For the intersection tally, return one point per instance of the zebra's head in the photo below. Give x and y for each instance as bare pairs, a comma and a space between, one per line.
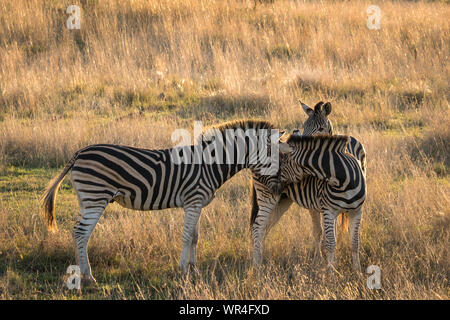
317, 122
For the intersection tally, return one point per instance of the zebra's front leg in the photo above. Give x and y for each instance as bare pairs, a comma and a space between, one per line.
329, 220
258, 229
317, 234
191, 216
193, 250
353, 229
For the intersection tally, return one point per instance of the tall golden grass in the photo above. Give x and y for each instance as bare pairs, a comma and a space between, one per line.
137, 70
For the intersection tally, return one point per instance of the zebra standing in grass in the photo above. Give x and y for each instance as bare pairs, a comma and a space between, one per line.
143, 179
269, 207
336, 183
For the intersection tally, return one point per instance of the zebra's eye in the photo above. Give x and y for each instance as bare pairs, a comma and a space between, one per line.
320, 129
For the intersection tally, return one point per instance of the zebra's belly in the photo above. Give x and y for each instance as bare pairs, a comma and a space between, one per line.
304, 197
128, 202
342, 201
342, 206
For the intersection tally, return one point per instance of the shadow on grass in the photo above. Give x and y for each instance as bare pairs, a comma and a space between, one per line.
41, 274
432, 148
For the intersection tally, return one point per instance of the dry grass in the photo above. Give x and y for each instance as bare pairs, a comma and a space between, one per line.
137, 70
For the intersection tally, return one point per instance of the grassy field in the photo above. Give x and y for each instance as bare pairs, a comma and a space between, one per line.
137, 70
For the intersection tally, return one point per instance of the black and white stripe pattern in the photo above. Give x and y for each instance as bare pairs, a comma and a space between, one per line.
267, 210
317, 122
143, 179
336, 183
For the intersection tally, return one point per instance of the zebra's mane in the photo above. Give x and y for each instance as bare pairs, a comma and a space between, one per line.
207, 132
340, 142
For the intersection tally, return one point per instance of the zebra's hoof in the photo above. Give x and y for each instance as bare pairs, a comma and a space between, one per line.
184, 268
257, 260
194, 270
357, 269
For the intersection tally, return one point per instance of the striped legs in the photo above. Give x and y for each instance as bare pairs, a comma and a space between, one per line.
266, 207
329, 221
353, 229
82, 231
317, 234
193, 250
189, 236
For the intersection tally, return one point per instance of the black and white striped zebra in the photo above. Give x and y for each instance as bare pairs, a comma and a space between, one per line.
270, 207
335, 183
318, 123
144, 179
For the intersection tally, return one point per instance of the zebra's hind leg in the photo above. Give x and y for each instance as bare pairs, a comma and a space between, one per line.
317, 234
329, 221
259, 226
353, 229
82, 231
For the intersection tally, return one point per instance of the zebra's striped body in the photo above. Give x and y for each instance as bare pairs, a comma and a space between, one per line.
137, 179
336, 183
267, 208
143, 179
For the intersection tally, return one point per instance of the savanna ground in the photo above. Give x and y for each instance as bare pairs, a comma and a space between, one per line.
137, 70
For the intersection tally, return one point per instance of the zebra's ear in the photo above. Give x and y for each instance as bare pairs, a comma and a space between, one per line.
307, 109
318, 107
285, 148
326, 109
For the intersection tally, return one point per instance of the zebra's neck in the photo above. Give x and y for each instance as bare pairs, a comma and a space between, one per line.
243, 157
221, 164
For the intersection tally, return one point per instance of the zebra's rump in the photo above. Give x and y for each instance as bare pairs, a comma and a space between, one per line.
357, 149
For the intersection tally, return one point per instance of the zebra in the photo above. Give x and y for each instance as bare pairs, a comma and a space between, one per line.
266, 205
318, 123
335, 183
144, 179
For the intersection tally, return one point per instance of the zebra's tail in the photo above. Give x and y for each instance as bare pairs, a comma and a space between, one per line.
343, 222
363, 163
255, 207
49, 196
